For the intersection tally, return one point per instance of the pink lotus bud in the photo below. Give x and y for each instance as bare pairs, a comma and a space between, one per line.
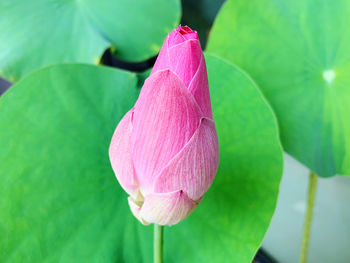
164, 151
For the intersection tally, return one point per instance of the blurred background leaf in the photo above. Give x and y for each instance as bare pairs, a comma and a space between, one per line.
39, 32
298, 52
330, 232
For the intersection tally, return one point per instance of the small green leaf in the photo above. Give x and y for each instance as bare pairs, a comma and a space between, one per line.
298, 52
39, 32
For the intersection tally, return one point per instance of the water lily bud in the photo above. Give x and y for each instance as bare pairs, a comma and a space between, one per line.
164, 151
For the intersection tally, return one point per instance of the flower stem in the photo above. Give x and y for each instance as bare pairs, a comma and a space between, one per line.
308, 217
158, 244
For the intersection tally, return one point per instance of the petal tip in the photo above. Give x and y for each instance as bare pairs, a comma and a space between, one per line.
135, 208
167, 208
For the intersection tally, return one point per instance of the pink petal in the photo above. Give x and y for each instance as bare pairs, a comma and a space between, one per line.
193, 169
175, 38
166, 208
192, 35
184, 59
182, 53
200, 89
162, 61
165, 118
120, 155
188, 33
181, 34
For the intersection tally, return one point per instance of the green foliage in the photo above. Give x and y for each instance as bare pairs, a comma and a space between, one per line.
40, 32
60, 201
298, 52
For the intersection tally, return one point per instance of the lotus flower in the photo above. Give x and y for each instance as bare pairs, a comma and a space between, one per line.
164, 151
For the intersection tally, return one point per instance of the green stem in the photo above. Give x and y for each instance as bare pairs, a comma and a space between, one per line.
158, 244
308, 217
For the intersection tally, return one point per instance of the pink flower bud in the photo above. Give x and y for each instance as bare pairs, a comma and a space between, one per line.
164, 151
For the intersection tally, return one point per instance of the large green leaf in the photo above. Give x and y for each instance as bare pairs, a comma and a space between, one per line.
59, 199
298, 52
234, 215
40, 32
